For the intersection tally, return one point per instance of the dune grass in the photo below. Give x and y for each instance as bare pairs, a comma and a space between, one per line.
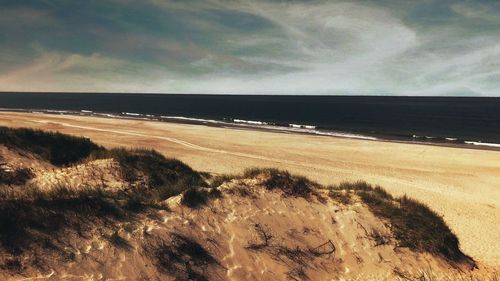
194, 198
28, 215
220, 179
15, 177
198, 197
159, 177
31, 217
182, 257
291, 185
56, 148
413, 223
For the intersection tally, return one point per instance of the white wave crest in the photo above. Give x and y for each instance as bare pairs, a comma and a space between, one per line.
250, 122
302, 126
483, 143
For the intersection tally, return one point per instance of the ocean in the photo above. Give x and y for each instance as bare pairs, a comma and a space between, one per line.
454, 120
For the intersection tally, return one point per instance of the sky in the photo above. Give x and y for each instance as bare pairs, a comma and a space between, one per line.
378, 47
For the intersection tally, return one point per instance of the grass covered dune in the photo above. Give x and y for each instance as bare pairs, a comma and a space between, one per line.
462, 185
34, 221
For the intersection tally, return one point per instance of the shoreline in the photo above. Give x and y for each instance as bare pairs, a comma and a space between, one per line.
260, 126
462, 185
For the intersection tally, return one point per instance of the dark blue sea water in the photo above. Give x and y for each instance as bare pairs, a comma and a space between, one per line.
436, 119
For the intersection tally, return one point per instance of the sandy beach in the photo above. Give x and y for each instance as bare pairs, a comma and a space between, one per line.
462, 185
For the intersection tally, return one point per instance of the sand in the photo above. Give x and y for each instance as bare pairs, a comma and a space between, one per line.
463, 185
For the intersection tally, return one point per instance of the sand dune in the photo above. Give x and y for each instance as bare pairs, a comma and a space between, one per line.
246, 232
461, 184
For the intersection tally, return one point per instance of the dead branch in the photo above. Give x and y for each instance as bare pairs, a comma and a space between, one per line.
327, 249
265, 236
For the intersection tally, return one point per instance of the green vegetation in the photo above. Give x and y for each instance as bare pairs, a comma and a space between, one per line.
56, 148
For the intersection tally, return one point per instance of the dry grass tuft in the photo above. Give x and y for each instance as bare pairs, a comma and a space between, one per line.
413, 224
182, 257
296, 186
58, 149
15, 177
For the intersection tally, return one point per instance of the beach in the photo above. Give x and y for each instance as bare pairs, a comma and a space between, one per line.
462, 185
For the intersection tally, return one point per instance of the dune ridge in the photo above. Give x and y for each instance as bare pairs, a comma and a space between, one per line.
462, 185
153, 217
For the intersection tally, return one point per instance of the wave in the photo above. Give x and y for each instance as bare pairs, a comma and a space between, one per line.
309, 129
250, 122
424, 137
455, 140
107, 115
302, 126
450, 139
131, 114
312, 130
489, 144
292, 127
57, 111
345, 135
182, 118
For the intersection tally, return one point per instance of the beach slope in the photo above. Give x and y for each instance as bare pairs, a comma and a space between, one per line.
462, 185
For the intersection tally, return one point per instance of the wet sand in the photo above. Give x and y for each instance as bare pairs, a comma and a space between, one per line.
463, 185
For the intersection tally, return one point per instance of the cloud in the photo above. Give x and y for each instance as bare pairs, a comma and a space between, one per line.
479, 11
50, 70
25, 16
254, 47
